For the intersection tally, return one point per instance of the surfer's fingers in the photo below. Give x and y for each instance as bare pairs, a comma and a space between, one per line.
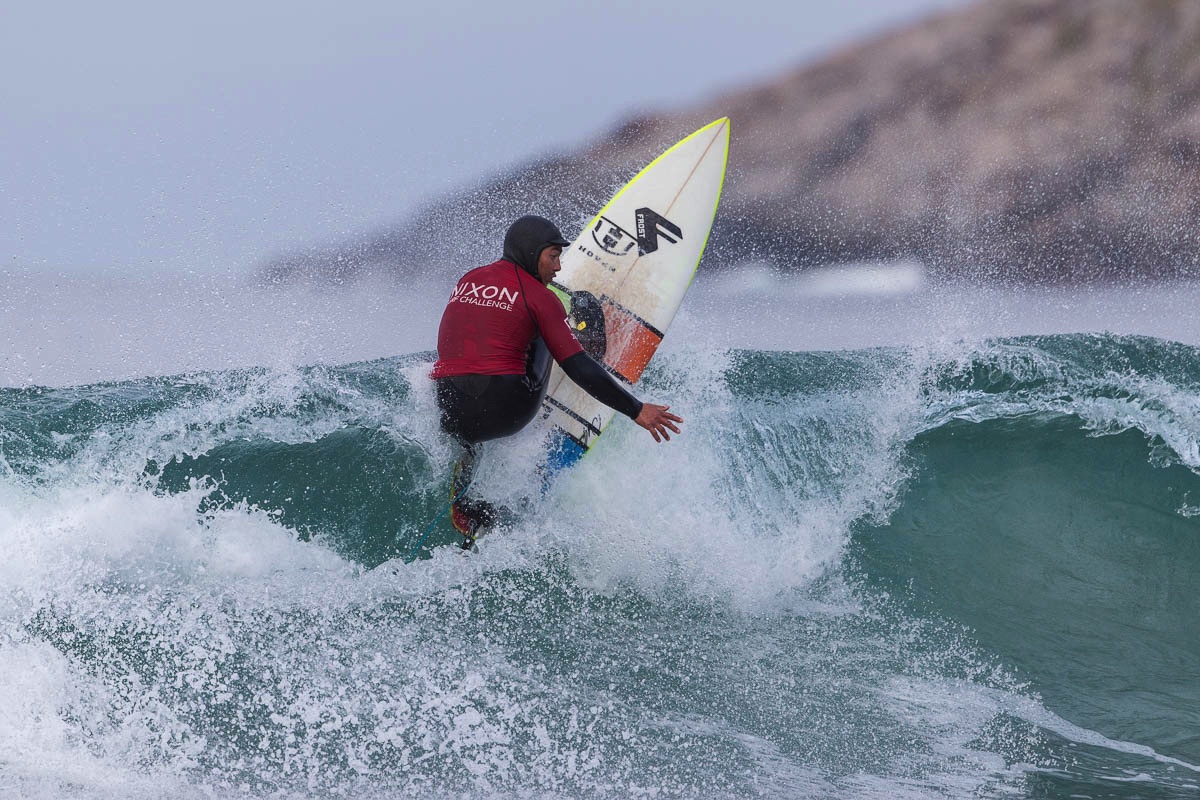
667, 421
664, 414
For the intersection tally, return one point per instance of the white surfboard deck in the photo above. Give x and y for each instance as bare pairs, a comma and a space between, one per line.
637, 258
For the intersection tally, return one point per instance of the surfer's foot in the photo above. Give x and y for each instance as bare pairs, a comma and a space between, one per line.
471, 518
465, 524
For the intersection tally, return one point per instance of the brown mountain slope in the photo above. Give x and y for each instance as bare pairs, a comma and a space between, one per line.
1014, 139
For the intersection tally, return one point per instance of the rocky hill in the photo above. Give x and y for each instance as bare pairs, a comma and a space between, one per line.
1013, 139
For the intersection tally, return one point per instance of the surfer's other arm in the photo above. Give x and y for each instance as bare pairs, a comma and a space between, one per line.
595, 380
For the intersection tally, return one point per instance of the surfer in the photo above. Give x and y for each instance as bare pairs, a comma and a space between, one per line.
498, 333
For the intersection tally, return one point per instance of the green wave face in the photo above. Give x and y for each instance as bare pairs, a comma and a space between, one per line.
883, 573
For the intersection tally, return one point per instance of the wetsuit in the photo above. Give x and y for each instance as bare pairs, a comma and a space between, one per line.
498, 333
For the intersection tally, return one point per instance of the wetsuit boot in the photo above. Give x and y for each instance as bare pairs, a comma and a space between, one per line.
469, 516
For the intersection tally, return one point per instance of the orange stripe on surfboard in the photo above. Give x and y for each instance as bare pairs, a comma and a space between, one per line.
631, 340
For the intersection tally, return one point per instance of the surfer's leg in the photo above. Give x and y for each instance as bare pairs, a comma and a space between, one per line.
468, 515
464, 472
479, 408
458, 402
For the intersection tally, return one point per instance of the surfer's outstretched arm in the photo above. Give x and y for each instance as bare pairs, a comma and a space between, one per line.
595, 380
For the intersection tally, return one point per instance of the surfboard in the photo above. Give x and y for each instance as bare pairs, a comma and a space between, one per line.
625, 275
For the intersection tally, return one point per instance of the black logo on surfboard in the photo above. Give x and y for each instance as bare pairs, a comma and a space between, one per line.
650, 226
612, 238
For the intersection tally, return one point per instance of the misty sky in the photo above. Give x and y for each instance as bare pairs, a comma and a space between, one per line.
153, 136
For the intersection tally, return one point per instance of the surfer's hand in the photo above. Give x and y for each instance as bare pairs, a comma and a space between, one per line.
657, 419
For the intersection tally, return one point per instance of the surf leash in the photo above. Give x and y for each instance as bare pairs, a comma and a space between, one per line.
428, 530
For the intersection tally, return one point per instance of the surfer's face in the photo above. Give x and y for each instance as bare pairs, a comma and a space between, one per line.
549, 264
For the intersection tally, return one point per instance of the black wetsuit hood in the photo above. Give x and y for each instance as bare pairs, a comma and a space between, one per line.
527, 238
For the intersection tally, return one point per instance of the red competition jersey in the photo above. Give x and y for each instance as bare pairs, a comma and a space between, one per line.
489, 322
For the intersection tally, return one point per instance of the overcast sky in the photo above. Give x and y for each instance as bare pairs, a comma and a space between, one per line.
209, 136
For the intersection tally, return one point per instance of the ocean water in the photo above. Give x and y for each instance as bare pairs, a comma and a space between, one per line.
931, 543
